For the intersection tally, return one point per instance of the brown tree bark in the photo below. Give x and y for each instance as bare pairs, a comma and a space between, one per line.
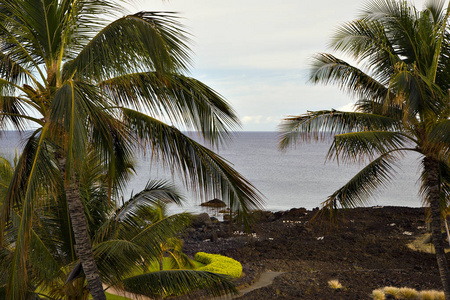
83, 243
433, 184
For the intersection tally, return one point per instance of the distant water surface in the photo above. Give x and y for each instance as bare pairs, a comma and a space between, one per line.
298, 177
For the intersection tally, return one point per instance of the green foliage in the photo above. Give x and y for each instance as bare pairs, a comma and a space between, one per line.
400, 74
178, 282
400, 78
220, 264
167, 265
80, 74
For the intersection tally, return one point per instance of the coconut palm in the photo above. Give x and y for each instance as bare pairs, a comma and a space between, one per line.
77, 78
127, 241
401, 77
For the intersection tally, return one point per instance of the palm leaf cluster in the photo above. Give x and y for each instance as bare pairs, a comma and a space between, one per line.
400, 76
127, 241
403, 105
87, 78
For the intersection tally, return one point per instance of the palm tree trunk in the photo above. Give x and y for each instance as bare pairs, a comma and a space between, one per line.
433, 184
83, 243
83, 247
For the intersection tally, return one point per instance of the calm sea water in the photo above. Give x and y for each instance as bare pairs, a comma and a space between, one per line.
296, 178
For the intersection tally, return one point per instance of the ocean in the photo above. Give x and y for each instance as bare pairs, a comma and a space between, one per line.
298, 177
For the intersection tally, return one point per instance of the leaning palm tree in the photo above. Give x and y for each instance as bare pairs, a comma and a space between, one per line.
78, 79
402, 79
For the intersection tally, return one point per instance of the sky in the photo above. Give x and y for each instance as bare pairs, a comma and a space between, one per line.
256, 53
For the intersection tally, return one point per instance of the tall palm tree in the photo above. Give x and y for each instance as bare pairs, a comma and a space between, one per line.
402, 79
76, 78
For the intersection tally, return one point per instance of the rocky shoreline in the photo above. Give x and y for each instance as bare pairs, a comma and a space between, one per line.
364, 249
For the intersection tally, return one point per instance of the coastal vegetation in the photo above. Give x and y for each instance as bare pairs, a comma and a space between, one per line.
401, 78
129, 241
220, 264
406, 293
86, 79
335, 284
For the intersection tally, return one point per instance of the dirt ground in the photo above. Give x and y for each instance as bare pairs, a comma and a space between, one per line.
364, 250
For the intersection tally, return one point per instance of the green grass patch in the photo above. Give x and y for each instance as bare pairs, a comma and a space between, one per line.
217, 263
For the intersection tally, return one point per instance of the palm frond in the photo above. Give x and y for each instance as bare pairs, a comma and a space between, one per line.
323, 124
444, 176
68, 117
155, 40
362, 38
439, 134
19, 38
11, 70
178, 260
359, 190
184, 100
35, 163
359, 146
179, 282
43, 264
81, 20
420, 95
133, 243
368, 106
155, 191
14, 113
202, 169
118, 259
136, 213
436, 9
444, 170
6, 173
327, 69
86, 119
157, 233
399, 21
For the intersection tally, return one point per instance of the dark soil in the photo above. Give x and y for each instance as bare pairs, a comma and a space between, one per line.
365, 249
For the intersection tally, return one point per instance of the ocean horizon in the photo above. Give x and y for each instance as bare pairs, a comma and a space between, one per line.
298, 177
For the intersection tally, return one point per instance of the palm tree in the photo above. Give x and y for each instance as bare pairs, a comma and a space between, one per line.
127, 239
402, 79
78, 79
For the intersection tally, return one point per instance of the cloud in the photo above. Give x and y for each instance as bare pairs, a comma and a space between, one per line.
348, 107
256, 53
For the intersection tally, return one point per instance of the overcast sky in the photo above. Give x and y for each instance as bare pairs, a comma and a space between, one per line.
256, 53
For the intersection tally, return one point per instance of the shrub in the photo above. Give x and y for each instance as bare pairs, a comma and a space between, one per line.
431, 295
393, 291
335, 284
217, 263
378, 295
408, 293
